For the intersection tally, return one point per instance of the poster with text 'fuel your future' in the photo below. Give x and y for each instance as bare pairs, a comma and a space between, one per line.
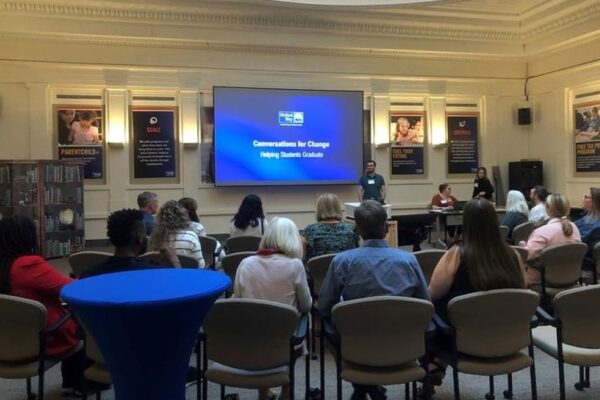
154, 145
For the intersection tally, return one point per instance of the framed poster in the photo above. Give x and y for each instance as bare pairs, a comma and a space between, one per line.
154, 143
80, 136
586, 134
463, 143
407, 137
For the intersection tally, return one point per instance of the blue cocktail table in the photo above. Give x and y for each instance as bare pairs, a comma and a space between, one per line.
145, 324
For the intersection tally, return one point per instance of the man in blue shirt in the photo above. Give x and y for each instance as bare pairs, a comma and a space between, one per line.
371, 186
148, 204
374, 269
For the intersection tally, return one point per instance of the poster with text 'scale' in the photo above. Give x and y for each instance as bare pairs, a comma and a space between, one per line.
407, 143
586, 135
154, 143
463, 148
79, 136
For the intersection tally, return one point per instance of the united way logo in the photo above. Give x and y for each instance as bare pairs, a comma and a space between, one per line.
291, 118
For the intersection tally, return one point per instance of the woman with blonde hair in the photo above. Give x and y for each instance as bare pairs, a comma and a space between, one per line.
517, 211
557, 230
329, 234
172, 229
275, 273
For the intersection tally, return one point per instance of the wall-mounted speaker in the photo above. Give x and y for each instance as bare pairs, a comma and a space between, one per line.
524, 116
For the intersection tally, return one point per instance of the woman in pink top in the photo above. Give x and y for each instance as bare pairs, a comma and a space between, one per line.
557, 230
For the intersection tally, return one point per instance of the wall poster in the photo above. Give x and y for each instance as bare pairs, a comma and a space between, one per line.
463, 143
80, 136
407, 137
587, 137
154, 142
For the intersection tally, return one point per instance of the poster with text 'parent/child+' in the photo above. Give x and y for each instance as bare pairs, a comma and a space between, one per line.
463, 143
407, 137
586, 134
154, 142
79, 134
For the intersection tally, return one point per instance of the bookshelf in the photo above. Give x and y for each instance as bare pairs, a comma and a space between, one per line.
51, 193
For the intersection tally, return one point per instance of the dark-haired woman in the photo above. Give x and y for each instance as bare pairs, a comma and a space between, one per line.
589, 226
538, 195
24, 273
482, 187
250, 218
481, 261
191, 207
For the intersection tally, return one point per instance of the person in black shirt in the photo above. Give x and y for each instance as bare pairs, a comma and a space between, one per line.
482, 187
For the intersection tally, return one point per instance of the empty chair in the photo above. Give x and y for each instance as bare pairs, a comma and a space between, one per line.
560, 267
504, 231
381, 339
159, 259
236, 244
572, 336
317, 269
522, 232
209, 247
23, 339
79, 262
251, 344
231, 262
489, 330
428, 259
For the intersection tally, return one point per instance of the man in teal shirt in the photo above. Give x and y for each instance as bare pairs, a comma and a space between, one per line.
371, 185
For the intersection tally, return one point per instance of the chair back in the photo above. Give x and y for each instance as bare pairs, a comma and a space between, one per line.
237, 244
523, 253
576, 309
521, 232
81, 261
21, 321
317, 269
562, 263
428, 259
209, 246
596, 257
231, 262
382, 331
159, 259
494, 323
504, 231
250, 334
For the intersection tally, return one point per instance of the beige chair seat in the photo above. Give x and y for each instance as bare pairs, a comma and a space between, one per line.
552, 291
365, 375
248, 379
494, 366
544, 338
99, 373
26, 369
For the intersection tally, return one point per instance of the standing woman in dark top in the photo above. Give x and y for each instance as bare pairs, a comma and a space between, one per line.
482, 187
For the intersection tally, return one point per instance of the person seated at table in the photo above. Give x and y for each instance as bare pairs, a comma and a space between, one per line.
517, 211
329, 234
24, 273
589, 226
275, 273
250, 218
172, 229
126, 231
481, 261
557, 230
538, 195
444, 201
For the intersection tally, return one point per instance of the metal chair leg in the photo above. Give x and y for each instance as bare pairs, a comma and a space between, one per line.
322, 362
30, 394
222, 392
508, 393
338, 367
561, 379
456, 387
491, 395
532, 374
406, 391
313, 353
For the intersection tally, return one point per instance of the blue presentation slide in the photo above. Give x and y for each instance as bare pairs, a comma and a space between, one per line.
287, 137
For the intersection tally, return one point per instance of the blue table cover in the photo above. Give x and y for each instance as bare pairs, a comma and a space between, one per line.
145, 324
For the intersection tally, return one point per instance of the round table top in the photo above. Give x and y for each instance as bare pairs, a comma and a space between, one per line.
144, 287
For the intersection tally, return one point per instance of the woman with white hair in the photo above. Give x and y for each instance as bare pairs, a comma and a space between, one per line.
275, 273
517, 211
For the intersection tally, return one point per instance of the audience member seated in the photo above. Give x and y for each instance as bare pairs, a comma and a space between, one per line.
24, 273
275, 273
557, 230
148, 204
329, 234
191, 206
172, 230
517, 211
481, 261
374, 269
589, 226
446, 202
538, 214
250, 218
126, 231
482, 187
